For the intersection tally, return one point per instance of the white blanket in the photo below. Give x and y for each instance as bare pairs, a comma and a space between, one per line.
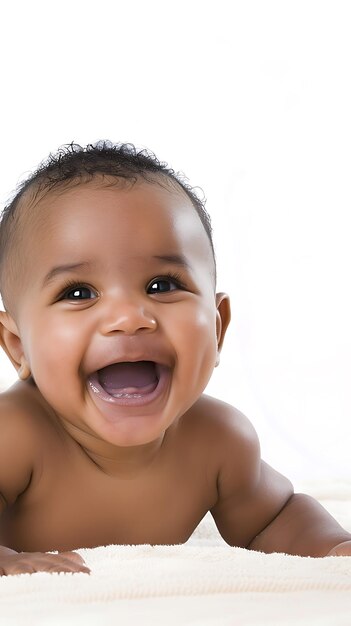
204, 582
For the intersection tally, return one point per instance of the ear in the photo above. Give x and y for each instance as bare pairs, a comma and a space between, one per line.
222, 320
11, 343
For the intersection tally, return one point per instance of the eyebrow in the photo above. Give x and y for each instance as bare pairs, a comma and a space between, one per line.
174, 259
64, 269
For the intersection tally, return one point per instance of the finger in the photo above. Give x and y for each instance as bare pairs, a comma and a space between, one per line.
73, 556
53, 563
67, 569
59, 563
19, 568
69, 565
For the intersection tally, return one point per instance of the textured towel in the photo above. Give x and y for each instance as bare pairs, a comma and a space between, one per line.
202, 582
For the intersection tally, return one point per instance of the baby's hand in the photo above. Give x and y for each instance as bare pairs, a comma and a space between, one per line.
342, 549
12, 562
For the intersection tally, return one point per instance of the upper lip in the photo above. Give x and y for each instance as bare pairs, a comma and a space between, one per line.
111, 355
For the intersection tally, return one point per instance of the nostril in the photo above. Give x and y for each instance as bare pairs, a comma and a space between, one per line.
132, 320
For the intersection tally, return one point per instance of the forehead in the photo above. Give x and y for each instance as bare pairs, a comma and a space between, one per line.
126, 218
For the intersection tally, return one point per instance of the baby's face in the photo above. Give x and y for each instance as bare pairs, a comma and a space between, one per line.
118, 319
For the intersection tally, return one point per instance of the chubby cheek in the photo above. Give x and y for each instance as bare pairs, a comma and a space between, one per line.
195, 342
54, 353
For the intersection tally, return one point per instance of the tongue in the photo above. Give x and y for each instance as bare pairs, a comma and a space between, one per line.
128, 377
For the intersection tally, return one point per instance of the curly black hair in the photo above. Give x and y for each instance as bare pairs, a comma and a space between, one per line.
73, 164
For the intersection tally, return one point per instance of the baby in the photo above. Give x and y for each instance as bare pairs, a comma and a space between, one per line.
113, 323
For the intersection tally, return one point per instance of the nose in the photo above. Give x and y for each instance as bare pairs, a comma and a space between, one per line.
129, 318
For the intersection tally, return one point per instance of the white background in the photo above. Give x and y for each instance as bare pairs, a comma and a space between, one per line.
252, 100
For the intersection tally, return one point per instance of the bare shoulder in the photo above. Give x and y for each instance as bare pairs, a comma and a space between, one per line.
20, 403
234, 441
250, 493
220, 414
226, 438
21, 438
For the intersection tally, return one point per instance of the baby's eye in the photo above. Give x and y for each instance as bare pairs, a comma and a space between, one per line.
162, 285
78, 293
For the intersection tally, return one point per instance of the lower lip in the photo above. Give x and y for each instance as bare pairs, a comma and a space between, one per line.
129, 399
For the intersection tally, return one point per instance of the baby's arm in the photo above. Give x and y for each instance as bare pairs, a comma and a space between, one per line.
303, 527
18, 446
256, 506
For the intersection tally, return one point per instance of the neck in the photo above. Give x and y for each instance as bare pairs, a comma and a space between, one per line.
117, 460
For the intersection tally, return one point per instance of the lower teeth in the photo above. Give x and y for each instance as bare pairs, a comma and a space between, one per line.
126, 395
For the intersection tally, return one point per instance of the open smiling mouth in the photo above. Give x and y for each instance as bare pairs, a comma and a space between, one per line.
129, 383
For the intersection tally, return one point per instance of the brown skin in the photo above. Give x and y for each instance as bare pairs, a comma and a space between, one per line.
77, 471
